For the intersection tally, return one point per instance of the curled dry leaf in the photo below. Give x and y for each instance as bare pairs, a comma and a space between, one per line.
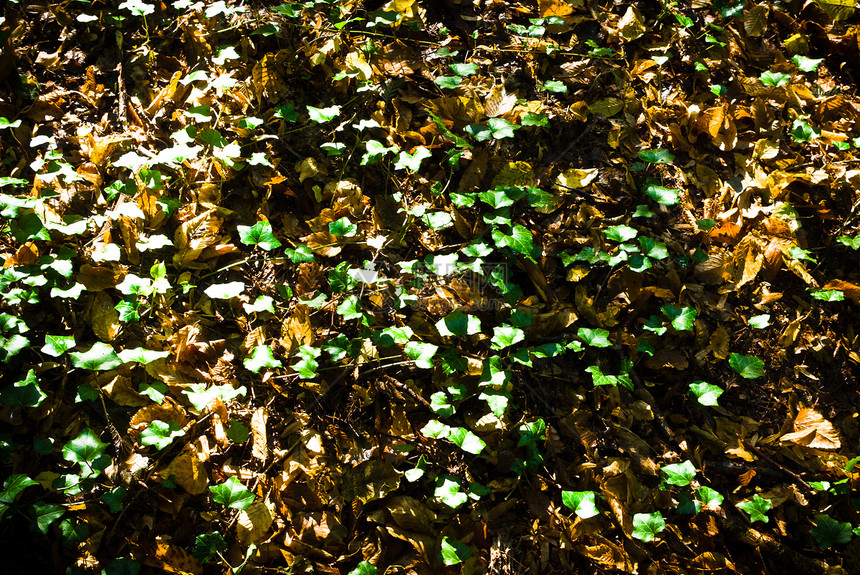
813, 431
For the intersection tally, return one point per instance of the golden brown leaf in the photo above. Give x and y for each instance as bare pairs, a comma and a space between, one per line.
812, 430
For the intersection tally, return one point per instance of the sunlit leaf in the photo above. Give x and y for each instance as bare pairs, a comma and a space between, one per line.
706, 393
364, 568
658, 156
775, 79
100, 357
260, 234
261, 356
25, 392
505, 336
454, 552
321, 115
680, 474
583, 503
709, 497
44, 514
620, 233
232, 494
806, 64
160, 434
421, 353
448, 490
458, 323
759, 321
225, 291
343, 228
594, 337
756, 508
201, 396
661, 195
466, 440
682, 319
747, 366
646, 526
803, 132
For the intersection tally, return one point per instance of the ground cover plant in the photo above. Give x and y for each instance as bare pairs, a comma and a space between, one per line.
423, 287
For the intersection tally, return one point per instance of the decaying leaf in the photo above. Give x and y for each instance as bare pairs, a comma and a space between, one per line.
813, 431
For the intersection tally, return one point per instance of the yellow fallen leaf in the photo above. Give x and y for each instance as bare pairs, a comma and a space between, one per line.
253, 523
575, 178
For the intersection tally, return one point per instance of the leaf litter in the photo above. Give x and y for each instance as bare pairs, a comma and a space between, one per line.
343, 287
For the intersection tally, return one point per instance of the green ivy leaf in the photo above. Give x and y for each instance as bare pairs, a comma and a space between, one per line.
448, 82
646, 526
412, 162
307, 365
232, 494
709, 497
261, 356
160, 434
44, 514
774, 79
448, 490
661, 195
457, 324
141, 355
620, 233
829, 532
653, 249
454, 552
435, 429
798, 253
343, 228
14, 485
421, 353
759, 321
853, 243
658, 156
539, 119
520, 241
225, 291
25, 392
364, 568
497, 401
302, 253
706, 393
464, 69
756, 508
583, 503
806, 64
350, 308
682, 319
261, 304
680, 474
466, 440
260, 234
594, 337
100, 357
207, 545
114, 498
687, 505
322, 115
828, 295
554, 86
747, 366
505, 336
85, 449
803, 132
201, 396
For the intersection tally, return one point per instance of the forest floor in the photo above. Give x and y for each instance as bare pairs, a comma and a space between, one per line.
549, 286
